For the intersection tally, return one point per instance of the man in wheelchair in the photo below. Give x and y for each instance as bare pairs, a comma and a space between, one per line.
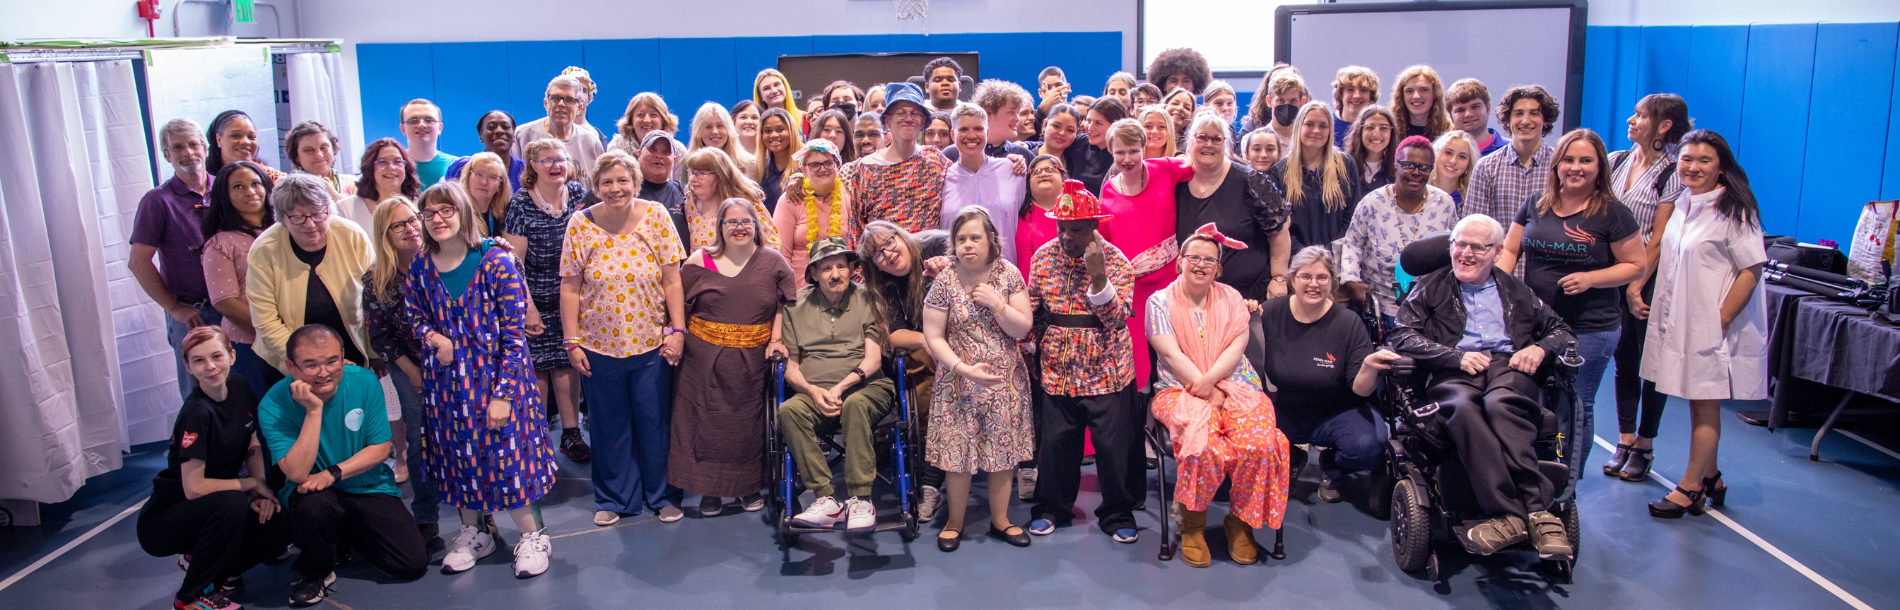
1481, 336
832, 333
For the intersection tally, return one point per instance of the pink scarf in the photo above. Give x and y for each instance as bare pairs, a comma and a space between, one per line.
1190, 422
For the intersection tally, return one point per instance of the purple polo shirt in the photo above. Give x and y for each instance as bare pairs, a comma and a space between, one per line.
168, 219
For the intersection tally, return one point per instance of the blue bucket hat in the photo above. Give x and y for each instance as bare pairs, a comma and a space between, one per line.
896, 93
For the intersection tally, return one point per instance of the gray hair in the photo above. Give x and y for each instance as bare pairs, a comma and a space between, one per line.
1487, 222
572, 82
968, 109
1314, 254
179, 128
1206, 118
298, 191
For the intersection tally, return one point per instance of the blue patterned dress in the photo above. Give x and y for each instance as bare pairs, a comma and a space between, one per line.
479, 469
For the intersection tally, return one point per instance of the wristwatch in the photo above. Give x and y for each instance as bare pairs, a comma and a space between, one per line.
336, 472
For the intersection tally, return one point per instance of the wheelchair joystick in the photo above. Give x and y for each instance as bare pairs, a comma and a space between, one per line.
1570, 358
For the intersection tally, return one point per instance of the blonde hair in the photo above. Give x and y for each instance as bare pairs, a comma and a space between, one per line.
668, 122
1332, 170
1127, 131
498, 204
709, 114
384, 272
1141, 118
725, 175
1219, 86
790, 106
1360, 77
1439, 120
464, 211
533, 150
1458, 135
613, 159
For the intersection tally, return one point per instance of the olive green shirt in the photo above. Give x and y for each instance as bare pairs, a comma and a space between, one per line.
829, 342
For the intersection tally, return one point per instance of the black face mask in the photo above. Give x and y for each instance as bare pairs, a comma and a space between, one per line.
850, 109
1283, 113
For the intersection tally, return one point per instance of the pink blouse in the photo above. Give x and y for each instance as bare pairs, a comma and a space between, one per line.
226, 259
1144, 219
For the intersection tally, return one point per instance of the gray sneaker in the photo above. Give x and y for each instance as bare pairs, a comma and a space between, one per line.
1026, 484
671, 513
1551, 539
1494, 535
932, 499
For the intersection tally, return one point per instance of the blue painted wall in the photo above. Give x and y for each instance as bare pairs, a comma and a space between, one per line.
1807, 107
471, 78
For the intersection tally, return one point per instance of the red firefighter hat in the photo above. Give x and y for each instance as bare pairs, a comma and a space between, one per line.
1077, 203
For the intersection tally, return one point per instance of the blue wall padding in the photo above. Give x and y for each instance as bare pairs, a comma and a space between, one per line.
929, 43
1890, 181
389, 76
754, 54
1082, 60
531, 64
620, 69
470, 80
1663, 67
694, 71
1773, 139
1601, 44
1847, 119
1017, 58
1716, 68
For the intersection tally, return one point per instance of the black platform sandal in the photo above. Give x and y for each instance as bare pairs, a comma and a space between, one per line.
1637, 468
1665, 509
1615, 465
1717, 490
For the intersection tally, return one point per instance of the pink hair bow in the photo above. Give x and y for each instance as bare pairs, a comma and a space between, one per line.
1211, 232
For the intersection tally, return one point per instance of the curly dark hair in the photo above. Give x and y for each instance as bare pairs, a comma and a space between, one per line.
221, 215
942, 62
366, 181
1547, 105
1184, 61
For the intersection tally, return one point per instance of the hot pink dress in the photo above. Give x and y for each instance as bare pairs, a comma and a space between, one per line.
1033, 232
1143, 228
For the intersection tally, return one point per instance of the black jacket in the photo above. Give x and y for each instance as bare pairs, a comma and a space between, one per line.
1432, 320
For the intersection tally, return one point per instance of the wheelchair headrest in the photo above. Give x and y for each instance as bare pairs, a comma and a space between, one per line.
1426, 254
965, 86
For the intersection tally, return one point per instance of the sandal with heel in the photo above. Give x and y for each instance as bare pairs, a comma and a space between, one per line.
1637, 468
1665, 509
1622, 456
1716, 489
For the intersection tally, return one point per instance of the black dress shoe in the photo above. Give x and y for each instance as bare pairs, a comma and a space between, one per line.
1665, 509
949, 544
1753, 418
1617, 460
1020, 538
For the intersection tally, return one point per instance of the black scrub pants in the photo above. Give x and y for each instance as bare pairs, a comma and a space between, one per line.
1115, 424
219, 531
374, 525
1494, 426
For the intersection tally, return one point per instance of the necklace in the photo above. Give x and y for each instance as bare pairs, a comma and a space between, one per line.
811, 210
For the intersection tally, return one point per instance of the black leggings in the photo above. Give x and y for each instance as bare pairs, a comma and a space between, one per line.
217, 530
1632, 391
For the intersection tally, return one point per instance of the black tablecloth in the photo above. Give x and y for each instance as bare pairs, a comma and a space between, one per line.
1817, 348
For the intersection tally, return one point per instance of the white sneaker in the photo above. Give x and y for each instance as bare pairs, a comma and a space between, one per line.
863, 515
467, 547
822, 513
532, 553
605, 518
1026, 484
932, 499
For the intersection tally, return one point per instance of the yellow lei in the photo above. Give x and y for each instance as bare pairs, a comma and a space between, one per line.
811, 209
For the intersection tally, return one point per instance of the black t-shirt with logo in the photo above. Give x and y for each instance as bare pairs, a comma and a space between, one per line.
1556, 246
216, 432
1312, 365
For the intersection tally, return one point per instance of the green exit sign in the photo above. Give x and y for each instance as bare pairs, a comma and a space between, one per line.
245, 12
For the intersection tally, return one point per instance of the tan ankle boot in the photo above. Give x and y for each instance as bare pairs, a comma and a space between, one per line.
1240, 544
1194, 538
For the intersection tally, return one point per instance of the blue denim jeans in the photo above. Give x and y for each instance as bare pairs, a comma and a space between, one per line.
630, 419
1356, 436
424, 504
175, 336
1596, 349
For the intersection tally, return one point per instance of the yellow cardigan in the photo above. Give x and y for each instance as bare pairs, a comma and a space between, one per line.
277, 281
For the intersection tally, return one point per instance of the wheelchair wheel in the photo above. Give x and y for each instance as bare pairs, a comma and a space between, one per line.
1379, 491
1573, 529
1411, 529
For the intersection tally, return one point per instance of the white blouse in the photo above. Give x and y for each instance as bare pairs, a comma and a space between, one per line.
1688, 353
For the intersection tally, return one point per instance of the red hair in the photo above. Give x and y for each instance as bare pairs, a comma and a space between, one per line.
202, 334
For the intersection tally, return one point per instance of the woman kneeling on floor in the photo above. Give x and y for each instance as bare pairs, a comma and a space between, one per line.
1209, 397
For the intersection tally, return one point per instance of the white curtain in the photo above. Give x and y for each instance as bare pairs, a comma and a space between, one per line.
73, 164
316, 94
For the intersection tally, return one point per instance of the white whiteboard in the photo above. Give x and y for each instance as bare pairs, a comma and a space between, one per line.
1234, 35
1502, 47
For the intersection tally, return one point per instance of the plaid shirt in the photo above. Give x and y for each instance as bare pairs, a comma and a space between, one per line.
1083, 361
1500, 185
1640, 195
909, 194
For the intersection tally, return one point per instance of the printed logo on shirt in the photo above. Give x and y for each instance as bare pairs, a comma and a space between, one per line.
185, 440
353, 420
1326, 363
1579, 235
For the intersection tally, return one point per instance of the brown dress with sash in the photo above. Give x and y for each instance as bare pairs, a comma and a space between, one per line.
718, 447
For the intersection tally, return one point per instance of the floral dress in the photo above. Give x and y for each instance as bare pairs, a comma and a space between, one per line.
973, 427
541, 266
477, 468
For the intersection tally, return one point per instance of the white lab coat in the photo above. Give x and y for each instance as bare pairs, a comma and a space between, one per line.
1687, 352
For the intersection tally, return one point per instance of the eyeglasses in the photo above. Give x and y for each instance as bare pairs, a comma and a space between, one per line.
421, 121
1408, 166
694, 173
1201, 138
1046, 170
1471, 247
303, 219
813, 166
434, 213
735, 223
867, 134
313, 368
551, 162
484, 176
388, 164
406, 226
564, 100
1313, 279
905, 114
1200, 261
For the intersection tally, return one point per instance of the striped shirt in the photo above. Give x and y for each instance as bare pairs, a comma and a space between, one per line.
1500, 185
1640, 195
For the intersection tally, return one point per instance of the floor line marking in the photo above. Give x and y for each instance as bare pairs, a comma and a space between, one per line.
603, 529
1863, 440
336, 603
69, 546
1763, 544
